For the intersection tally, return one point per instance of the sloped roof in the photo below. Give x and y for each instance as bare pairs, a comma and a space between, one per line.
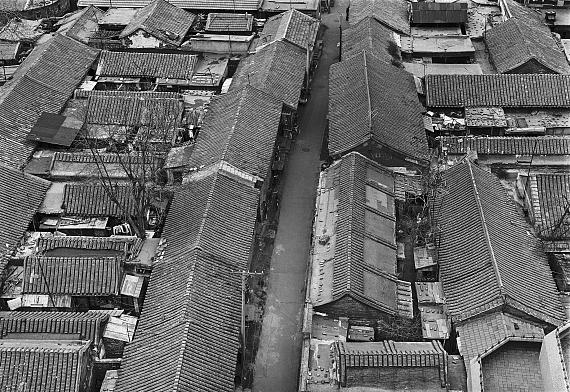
20, 197
93, 200
162, 20
42, 83
438, 13
225, 21
390, 353
86, 325
56, 365
487, 258
134, 108
277, 69
292, 26
241, 129
504, 90
153, 65
507, 145
483, 333
81, 25
191, 318
371, 36
356, 249
207, 5
550, 195
393, 14
369, 99
128, 245
76, 276
519, 40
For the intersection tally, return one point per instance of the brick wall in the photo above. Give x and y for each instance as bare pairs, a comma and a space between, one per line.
513, 367
395, 378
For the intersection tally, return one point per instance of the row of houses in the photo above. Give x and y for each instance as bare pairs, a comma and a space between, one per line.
137, 188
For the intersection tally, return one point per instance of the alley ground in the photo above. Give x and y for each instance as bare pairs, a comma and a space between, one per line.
279, 352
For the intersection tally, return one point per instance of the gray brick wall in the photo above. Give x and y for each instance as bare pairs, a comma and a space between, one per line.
514, 367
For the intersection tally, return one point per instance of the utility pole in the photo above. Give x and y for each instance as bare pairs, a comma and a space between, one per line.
244, 275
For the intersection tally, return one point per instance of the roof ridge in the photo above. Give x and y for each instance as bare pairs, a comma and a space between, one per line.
367, 93
196, 245
486, 232
349, 229
241, 99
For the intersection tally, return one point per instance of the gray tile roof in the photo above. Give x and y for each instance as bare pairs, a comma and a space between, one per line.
241, 129
292, 26
128, 246
152, 65
82, 25
551, 203
88, 200
229, 22
519, 40
75, 276
277, 69
206, 5
85, 326
504, 90
393, 14
487, 257
42, 83
438, 13
371, 36
195, 333
162, 20
372, 100
507, 145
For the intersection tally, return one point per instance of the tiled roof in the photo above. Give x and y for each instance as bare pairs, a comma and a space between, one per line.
20, 197
507, 145
362, 243
371, 36
393, 14
86, 326
241, 129
487, 257
9, 50
438, 13
207, 5
162, 20
551, 204
483, 333
390, 353
152, 65
369, 99
76, 276
195, 333
82, 25
517, 41
292, 26
134, 108
93, 200
129, 245
43, 365
229, 22
42, 83
505, 90
278, 69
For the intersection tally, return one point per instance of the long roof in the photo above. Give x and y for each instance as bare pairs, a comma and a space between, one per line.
241, 129
393, 14
507, 145
372, 100
43, 365
438, 13
487, 257
524, 38
371, 36
87, 200
224, 22
359, 256
195, 333
163, 20
153, 65
42, 83
278, 69
292, 26
75, 276
233, 5
83, 325
550, 193
504, 90
20, 197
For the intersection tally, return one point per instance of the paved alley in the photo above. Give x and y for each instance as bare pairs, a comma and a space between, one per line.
278, 356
